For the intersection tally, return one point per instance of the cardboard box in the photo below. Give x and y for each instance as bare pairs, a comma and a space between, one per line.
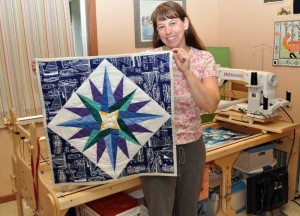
119, 204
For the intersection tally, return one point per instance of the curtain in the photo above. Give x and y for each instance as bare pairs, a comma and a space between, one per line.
29, 29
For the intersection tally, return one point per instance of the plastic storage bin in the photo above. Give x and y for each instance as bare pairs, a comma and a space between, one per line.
254, 159
238, 199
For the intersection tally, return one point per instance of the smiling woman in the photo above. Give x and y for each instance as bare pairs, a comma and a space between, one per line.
142, 22
195, 89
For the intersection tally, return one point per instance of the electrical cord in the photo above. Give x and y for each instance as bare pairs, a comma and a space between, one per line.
292, 201
296, 202
287, 114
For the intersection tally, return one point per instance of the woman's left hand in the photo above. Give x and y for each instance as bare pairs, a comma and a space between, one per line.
182, 59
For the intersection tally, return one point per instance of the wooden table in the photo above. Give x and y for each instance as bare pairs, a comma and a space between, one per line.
54, 200
261, 132
51, 199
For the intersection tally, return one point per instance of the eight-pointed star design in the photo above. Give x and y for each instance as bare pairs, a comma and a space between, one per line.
109, 119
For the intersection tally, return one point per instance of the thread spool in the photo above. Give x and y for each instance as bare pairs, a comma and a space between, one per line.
253, 78
288, 96
265, 103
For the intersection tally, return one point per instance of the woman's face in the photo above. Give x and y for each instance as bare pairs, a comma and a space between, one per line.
171, 32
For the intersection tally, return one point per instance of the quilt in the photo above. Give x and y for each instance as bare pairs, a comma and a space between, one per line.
216, 137
286, 43
108, 117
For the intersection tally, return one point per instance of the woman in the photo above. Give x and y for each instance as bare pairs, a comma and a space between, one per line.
195, 90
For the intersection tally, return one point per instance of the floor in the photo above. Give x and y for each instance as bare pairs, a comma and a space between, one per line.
292, 208
10, 209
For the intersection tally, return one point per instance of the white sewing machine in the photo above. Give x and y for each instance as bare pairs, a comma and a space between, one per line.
261, 102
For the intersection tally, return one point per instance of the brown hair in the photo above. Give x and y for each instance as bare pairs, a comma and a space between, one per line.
171, 10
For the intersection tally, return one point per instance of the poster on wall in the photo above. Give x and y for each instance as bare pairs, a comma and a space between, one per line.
108, 117
286, 43
272, 1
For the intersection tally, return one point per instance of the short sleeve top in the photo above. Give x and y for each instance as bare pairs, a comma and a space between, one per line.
186, 113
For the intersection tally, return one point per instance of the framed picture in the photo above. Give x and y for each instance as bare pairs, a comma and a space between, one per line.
271, 1
286, 43
142, 21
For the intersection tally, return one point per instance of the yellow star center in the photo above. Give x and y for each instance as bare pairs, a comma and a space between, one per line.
109, 120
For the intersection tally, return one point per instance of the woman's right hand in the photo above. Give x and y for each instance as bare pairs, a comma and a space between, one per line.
182, 60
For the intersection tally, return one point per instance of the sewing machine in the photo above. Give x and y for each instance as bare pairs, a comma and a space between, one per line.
261, 101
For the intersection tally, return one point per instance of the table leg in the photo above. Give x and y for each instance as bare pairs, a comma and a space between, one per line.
225, 164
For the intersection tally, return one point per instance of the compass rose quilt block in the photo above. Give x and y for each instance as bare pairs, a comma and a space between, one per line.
108, 117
